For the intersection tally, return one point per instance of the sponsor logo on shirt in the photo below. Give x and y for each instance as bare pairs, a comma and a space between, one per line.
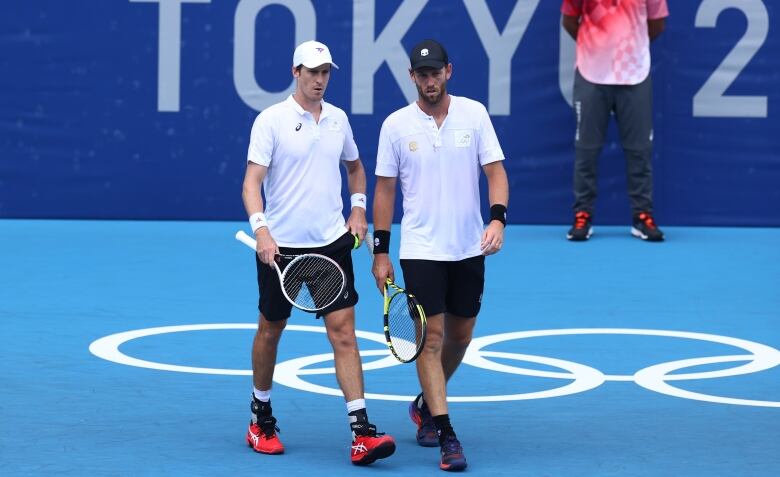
335, 125
413, 146
298, 127
462, 139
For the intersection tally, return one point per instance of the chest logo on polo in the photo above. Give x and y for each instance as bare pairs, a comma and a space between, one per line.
462, 138
298, 127
413, 146
335, 125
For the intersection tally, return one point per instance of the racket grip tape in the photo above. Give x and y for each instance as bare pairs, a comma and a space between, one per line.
244, 238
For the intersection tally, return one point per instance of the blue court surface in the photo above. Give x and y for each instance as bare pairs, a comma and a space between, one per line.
125, 351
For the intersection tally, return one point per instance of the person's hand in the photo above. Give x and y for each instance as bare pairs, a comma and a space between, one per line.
382, 270
492, 238
357, 224
266, 246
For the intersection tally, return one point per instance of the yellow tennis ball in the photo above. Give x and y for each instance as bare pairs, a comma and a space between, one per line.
357, 242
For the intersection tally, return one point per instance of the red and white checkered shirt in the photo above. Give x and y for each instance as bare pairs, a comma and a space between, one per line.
613, 46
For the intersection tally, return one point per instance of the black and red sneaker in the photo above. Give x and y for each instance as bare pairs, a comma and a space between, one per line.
452, 458
645, 228
262, 436
426, 429
369, 445
582, 228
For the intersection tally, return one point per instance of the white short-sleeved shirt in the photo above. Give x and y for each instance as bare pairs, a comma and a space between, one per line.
439, 171
302, 188
613, 46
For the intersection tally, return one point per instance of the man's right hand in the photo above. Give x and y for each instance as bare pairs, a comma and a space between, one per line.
382, 270
266, 246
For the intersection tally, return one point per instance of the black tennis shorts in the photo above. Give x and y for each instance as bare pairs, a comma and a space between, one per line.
272, 303
452, 287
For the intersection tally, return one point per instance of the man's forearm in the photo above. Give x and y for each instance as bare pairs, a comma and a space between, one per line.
356, 177
655, 28
384, 202
571, 25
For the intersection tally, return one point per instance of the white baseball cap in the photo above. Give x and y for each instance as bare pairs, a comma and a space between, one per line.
312, 54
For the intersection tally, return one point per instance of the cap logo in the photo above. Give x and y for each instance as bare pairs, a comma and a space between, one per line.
424, 52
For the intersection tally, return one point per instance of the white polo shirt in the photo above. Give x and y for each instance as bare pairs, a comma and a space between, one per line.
302, 188
439, 172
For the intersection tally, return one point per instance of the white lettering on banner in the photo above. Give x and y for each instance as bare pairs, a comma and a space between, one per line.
711, 100
244, 48
368, 53
500, 48
169, 52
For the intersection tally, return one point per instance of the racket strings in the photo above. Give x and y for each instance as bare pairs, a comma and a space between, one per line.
313, 282
405, 325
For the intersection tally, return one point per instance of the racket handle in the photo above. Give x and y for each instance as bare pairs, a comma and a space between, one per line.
369, 240
244, 238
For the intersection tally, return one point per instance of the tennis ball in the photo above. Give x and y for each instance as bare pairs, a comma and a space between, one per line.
357, 242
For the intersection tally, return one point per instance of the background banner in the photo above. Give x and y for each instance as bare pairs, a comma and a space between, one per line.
141, 109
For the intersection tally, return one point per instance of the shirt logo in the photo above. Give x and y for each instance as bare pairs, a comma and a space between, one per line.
413, 146
424, 52
462, 139
335, 125
298, 127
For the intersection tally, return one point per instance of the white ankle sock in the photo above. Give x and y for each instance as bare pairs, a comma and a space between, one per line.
356, 405
263, 396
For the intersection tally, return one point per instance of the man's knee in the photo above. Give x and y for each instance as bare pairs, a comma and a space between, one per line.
341, 334
460, 339
270, 329
459, 331
433, 341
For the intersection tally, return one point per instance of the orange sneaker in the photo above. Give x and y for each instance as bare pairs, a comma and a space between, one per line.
368, 445
262, 436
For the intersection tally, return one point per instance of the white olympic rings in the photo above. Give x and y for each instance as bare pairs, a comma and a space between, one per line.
583, 378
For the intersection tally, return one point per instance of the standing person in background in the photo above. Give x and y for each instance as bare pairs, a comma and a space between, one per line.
295, 151
613, 75
437, 146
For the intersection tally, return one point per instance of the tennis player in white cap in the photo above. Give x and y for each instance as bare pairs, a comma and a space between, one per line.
295, 152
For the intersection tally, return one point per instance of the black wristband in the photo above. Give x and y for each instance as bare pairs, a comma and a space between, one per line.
381, 241
498, 212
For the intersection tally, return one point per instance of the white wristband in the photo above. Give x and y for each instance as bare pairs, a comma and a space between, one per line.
358, 200
257, 220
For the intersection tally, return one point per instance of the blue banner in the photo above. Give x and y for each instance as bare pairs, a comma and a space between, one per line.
142, 109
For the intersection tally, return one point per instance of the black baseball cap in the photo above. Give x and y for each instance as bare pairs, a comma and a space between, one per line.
428, 53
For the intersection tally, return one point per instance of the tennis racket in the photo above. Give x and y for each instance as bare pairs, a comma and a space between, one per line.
404, 318
310, 281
